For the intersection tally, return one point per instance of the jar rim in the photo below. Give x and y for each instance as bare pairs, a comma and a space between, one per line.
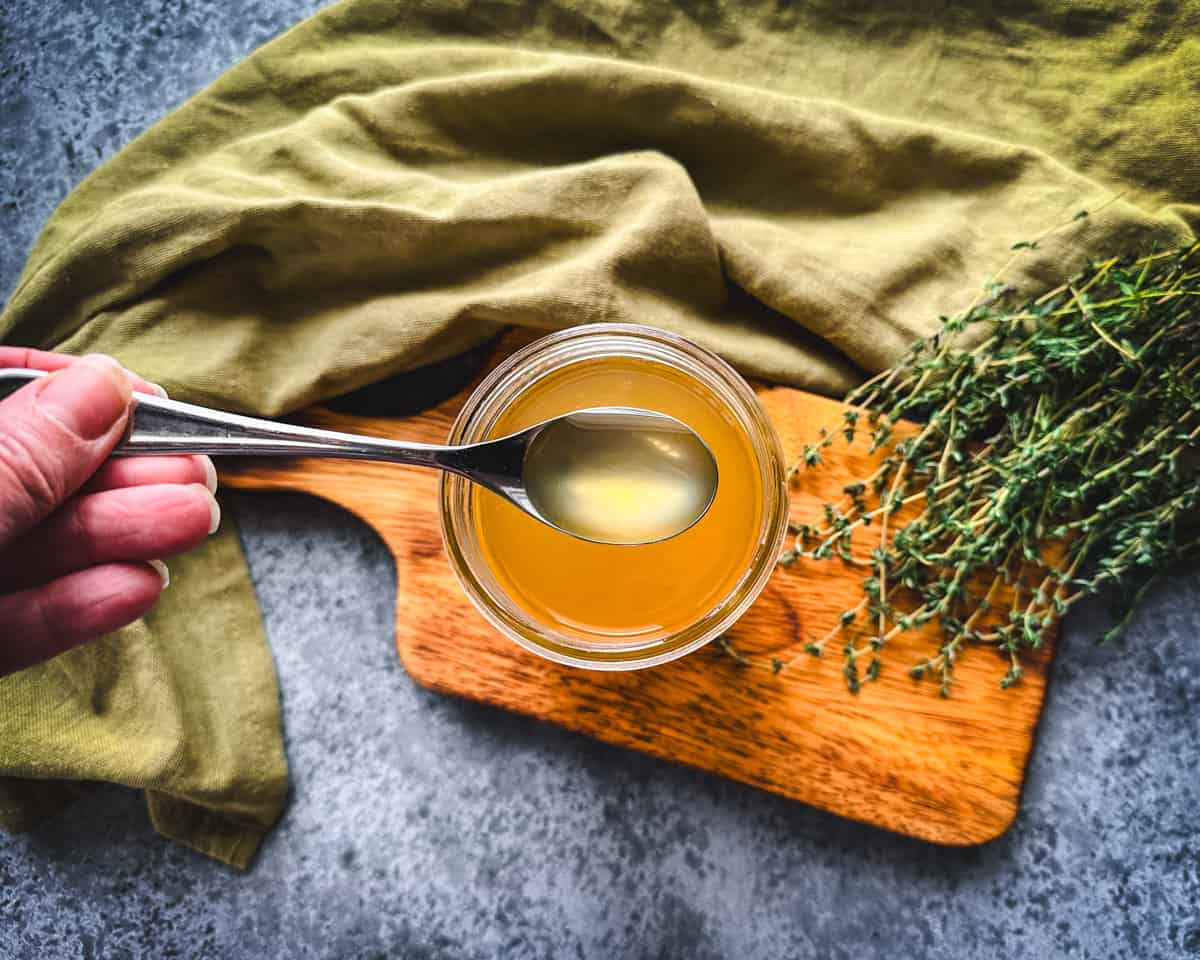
515, 375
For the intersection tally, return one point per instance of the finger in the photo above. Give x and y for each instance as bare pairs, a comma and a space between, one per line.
54, 434
30, 359
134, 523
142, 471
43, 622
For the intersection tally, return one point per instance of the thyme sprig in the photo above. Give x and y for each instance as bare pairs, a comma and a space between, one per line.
1054, 457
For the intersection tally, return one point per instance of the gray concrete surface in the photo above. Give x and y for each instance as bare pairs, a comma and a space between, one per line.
422, 827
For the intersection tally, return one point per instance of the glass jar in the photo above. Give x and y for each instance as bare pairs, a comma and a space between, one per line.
555, 356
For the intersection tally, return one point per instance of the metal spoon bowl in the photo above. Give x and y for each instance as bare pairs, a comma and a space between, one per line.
614, 475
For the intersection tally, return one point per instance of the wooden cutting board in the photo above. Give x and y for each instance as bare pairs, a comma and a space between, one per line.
896, 755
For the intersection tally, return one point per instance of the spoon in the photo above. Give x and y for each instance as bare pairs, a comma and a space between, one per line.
615, 475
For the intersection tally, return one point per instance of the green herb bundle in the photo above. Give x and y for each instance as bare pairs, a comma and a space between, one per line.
1053, 459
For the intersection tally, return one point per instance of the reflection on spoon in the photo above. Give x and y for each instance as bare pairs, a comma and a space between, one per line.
619, 475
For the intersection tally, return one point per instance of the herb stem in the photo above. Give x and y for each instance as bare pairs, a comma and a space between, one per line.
1064, 439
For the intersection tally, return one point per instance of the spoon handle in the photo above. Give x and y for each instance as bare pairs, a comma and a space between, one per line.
159, 426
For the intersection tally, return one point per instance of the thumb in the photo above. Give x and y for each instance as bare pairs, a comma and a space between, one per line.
54, 434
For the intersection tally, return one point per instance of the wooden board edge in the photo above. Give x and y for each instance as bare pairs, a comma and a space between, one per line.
991, 829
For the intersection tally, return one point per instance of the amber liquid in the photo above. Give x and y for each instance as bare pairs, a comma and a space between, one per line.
620, 594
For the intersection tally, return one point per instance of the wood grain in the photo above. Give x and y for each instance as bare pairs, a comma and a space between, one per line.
896, 755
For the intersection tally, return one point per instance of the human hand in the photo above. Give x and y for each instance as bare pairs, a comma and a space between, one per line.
82, 536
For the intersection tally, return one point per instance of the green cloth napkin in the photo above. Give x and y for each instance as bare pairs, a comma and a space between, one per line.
802, 187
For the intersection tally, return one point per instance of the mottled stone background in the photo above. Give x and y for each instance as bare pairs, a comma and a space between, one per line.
421, 827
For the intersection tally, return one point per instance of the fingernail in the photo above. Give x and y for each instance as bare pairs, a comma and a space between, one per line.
109, 361
210, 474
214, 510
103, 358
161, 569
87, 397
